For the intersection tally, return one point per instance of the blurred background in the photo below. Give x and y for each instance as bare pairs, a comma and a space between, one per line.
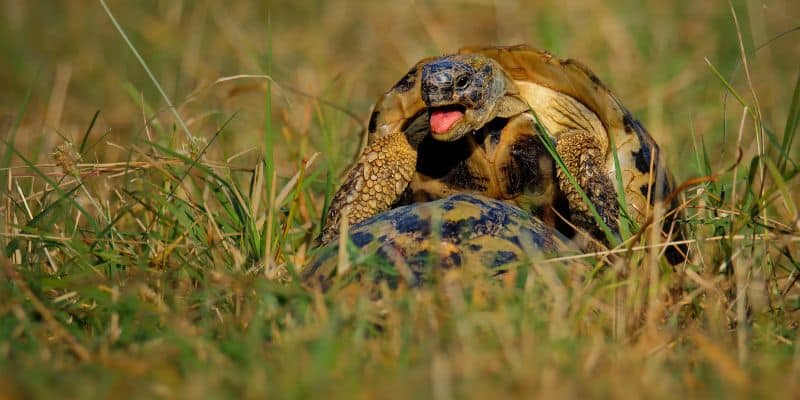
158, 278
69, 62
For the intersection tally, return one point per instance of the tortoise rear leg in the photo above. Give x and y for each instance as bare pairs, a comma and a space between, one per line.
584, 158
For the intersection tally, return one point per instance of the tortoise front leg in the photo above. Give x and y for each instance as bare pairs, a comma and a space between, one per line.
385, 167
373, 184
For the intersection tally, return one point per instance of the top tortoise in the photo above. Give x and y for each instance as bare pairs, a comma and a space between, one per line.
470, 123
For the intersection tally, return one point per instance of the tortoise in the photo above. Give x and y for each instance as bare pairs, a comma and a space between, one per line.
412, 243
474, 122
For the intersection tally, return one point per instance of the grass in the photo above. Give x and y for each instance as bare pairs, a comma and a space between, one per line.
141, 262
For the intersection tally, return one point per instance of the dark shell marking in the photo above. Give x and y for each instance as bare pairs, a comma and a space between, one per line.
373, 121
460, 231
407, 82
524, 168
645, 158
451, 169
485, 162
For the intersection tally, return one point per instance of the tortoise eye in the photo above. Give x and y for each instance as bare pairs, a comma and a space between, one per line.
462, 82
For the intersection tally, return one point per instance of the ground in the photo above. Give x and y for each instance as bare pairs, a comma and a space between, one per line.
164, 263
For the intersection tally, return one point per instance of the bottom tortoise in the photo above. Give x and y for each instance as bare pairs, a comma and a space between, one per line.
461, 231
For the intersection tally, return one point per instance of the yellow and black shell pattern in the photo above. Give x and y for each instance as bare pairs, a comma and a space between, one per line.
413, 242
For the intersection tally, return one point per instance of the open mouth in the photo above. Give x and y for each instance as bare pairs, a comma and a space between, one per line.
443, 118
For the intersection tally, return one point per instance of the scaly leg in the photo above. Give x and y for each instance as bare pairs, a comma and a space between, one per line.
373, 184
584, 159
385, 167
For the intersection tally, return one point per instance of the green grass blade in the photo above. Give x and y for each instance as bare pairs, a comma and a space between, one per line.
269, 149
56, 187
82, 147
778, 179
150, 74
625, 221
551, 148
730, 88
792, 120
12, 135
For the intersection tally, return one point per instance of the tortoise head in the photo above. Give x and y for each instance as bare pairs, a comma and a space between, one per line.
464, 92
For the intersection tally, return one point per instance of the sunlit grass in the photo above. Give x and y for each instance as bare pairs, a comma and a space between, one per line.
161, 265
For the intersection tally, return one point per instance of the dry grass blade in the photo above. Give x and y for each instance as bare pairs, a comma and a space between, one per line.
148, 263
55, 326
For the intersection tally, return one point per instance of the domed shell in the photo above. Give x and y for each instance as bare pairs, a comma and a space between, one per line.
461, 231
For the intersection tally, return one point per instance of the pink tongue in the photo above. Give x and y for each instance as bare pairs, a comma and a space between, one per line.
441, 120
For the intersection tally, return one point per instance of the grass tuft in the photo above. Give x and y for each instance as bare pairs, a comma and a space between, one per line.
139, 264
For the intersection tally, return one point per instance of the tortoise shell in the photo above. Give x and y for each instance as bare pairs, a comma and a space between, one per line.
568, 96
493, 150
412, 242
428, 139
